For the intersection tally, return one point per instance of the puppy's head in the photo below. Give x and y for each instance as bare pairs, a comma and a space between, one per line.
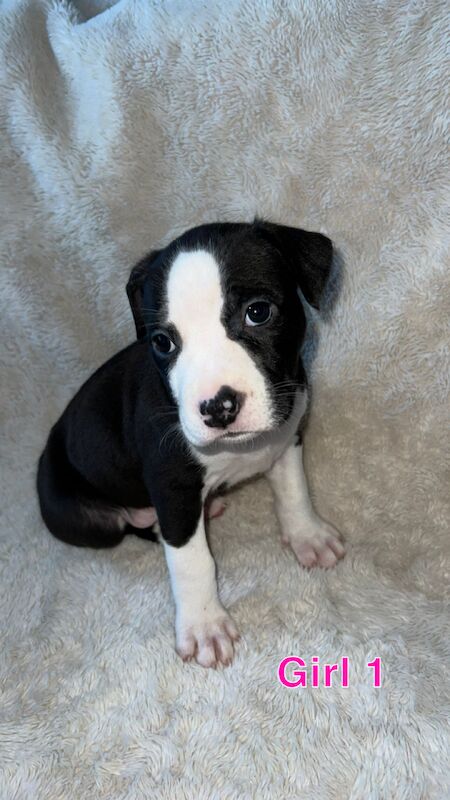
221, 311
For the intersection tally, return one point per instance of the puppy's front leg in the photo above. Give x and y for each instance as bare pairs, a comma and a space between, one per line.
204, 630
314, 541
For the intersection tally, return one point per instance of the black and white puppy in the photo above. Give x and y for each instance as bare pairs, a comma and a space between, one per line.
212, 393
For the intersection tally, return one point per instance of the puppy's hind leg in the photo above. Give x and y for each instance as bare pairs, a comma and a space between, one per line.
143, 522
69, 505
140, 517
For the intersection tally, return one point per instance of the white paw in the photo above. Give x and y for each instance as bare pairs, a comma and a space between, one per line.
209, 638
319, 544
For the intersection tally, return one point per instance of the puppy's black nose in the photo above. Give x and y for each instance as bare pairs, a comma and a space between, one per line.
222, 409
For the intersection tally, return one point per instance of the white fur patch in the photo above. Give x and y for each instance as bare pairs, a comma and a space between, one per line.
204, 630
314, 541
208, 358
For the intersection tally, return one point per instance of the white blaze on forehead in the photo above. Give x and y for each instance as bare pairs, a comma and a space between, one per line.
194, 294
209, 359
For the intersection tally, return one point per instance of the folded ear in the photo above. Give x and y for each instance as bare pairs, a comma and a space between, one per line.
135, 290
309, 256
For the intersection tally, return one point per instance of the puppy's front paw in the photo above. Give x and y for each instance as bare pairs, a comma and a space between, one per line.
318, 544
208, 637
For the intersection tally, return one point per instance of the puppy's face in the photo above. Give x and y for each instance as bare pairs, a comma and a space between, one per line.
220, 309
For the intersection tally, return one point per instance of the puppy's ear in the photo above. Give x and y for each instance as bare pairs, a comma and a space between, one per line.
309, 256
135, 290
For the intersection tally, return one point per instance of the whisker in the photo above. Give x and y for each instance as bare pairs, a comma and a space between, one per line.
169, 413
179, 439
172, 429
283, 384
286, 393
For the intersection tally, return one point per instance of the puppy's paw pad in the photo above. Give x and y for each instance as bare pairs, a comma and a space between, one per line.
210, 641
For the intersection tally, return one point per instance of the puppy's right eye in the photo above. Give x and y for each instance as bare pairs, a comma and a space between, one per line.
258, 313
162, 344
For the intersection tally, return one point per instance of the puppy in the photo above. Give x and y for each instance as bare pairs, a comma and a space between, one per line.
212, 392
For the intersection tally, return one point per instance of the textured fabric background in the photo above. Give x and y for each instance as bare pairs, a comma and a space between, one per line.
121, 127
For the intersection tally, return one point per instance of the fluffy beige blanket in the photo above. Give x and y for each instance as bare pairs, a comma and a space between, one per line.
122, 126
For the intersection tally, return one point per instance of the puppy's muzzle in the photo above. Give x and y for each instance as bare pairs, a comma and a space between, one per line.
221, 410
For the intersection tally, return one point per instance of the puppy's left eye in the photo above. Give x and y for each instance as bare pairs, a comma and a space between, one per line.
258, 313
162, 343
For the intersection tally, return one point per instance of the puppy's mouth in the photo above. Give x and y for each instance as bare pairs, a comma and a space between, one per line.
229, 439
234, 434
238, 436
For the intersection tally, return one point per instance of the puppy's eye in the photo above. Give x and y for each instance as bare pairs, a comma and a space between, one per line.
258, 313
162, 344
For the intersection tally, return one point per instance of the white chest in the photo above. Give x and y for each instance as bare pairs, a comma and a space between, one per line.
232, 468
